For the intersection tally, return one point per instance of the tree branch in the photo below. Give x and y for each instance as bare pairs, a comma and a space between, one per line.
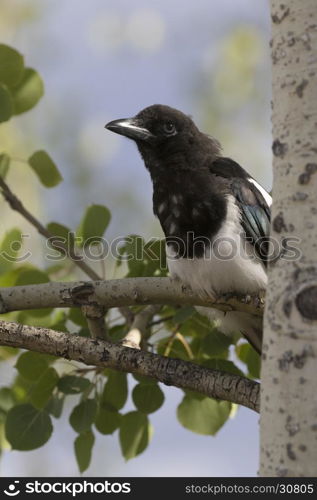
120, 292
182, 374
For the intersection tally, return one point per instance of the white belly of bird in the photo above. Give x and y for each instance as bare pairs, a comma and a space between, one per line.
229, 265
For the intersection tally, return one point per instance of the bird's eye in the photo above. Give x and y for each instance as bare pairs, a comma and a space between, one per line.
169, 128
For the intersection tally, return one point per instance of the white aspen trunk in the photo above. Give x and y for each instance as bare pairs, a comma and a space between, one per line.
289, 371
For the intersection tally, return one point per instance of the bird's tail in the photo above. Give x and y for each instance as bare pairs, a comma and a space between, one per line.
254, 336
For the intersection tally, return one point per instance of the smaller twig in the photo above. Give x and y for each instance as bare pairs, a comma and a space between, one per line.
171, 340
95, 316
137, 334
18, 206
128, 314
84, 371
97, 328
186, 345
161, 320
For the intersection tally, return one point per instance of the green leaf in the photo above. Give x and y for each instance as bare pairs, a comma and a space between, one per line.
107, 421
76, 316
135, 434
35, 317
115, 392
7, 399
194, 394
251, 358
70, 384
28, 91
196, 326
216, 344
41, 391
147, 398
58, 323
31, 365
142, 379
32, 277
6, 104
183, 314
143, 259
9, 249
55, 405
9, 278
83, 415
11, 65
93, 224
58, 229
155, 258
223, 365
4, 165
27, 428
204, 416
117, 332
8, 353
83, 449
21, 387
62, 233
60, 316
83, 332
45, 169
3, 416
132, 252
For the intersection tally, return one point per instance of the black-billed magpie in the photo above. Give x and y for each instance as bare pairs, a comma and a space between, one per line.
215, 216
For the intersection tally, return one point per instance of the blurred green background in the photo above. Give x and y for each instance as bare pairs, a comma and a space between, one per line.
105, 60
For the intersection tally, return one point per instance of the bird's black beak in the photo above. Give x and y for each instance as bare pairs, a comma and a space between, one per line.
130, 127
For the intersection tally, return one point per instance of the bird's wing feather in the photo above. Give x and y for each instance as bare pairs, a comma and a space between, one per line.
254, 209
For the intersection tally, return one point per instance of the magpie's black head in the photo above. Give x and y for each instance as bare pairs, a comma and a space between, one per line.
163, 134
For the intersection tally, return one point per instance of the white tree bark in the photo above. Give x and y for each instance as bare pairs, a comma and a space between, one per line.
289, 371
